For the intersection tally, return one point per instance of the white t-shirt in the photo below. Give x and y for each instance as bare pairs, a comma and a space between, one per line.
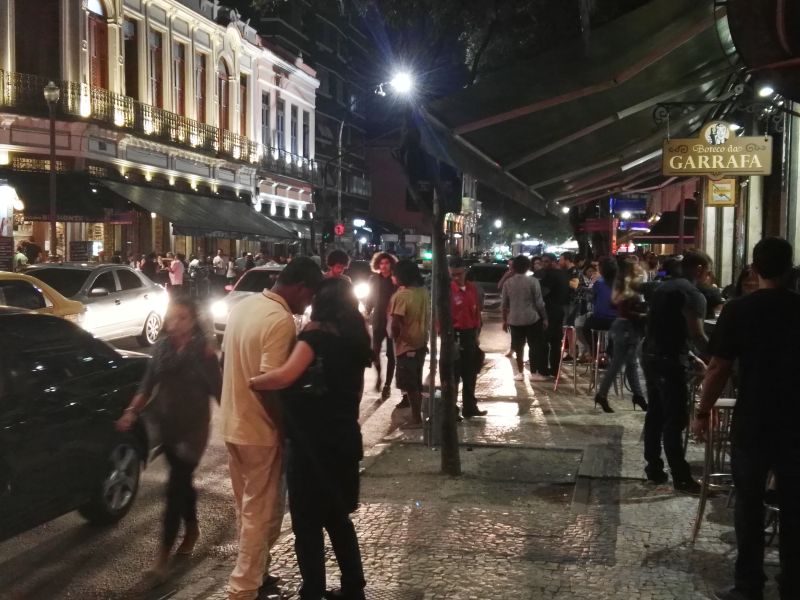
176, 270
220, 265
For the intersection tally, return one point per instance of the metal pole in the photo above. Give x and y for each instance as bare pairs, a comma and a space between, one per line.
339, 177
53, 235
433, 425
681, 217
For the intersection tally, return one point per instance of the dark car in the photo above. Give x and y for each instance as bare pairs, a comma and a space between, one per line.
60, 392
487, 276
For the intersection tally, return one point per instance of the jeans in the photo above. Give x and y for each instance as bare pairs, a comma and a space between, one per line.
320, 494
625, 339
534, 336
667, 416
181, 497
751, 466
552, 341
378, 335
467, 367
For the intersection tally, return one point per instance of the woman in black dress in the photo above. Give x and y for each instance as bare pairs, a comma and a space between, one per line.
326, 375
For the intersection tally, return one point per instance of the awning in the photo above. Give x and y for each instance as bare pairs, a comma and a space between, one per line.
666, 230
577, 123
302, 231
203, 216
78, 198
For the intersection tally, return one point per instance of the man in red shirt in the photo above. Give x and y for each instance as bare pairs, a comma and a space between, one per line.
466, 307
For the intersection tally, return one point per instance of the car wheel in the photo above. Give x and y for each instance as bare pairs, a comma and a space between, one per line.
150, 331
114, 496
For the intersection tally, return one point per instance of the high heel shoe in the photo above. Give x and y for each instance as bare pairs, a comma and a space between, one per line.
603, 402
640, 402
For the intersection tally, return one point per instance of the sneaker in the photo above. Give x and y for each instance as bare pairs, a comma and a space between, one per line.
519, 377
404, 403
474, 412
539, 377
690, 486
734, 594
657, 477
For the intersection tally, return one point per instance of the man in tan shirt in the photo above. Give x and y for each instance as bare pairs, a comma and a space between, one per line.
259, 336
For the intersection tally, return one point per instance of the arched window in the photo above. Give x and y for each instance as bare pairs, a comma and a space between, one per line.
223, 93
98, 44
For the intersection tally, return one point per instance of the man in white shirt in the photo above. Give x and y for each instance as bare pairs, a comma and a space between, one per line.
176, 269
220, 265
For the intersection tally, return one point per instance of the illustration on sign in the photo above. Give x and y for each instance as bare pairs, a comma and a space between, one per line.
721, 192
717, 152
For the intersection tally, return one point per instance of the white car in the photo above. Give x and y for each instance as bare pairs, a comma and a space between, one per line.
254, 281
120, 301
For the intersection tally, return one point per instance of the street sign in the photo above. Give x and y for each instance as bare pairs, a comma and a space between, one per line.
338, 229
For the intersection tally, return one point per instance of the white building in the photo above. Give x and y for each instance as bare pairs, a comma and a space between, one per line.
174, 124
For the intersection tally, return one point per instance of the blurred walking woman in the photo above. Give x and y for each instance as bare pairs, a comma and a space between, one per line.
326, 372
181, 377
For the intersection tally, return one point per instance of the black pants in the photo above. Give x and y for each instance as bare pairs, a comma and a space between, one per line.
467, 367
378, 335
751, 465
181, 497
552, 341
534, 336
323, 490
667, 417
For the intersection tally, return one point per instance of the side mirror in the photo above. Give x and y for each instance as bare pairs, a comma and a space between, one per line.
229, 288
98, 291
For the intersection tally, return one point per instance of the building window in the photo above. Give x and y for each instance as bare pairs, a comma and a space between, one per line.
306, 126
39, 54
324, 82
280, 125
266, 139
155, 66
223, 85
293, 130
200, 87
130, 35
179, 77
98, 46
243, 105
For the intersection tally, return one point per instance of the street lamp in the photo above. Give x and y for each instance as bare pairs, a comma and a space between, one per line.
402, 82
498, 223
565, 210
52, 94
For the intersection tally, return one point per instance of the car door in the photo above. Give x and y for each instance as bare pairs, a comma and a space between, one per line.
36, 422
104, 313
135, 298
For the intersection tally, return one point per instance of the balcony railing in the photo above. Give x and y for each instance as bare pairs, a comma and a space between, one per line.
24, 93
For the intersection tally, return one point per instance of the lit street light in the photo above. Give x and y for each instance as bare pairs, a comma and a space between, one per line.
498, 224
766, 91
402, 82
626, 215
52, 93
565, 210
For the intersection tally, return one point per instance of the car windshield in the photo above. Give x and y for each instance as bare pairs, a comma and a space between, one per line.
486, 274
256, 281
67, 282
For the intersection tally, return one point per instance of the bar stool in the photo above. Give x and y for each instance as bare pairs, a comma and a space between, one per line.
717, 457
599, 341
569, 344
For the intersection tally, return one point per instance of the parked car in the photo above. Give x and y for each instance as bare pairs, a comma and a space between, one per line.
24, 291
487, 276
60, 392
251, 282
119, 301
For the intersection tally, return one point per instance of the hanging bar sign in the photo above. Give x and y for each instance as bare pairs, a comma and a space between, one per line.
717, 152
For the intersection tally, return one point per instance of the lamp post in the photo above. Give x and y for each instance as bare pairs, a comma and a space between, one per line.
52, 93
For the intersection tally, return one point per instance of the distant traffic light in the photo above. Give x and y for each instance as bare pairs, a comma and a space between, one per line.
328, 232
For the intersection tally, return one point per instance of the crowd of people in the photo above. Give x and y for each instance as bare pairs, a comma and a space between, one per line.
290, 401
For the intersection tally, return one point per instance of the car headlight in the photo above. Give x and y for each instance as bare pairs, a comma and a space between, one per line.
219, 309
361, 290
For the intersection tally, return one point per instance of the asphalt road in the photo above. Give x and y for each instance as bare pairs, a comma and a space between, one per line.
67, 558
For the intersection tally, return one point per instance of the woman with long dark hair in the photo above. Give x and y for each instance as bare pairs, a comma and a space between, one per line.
326, 375
181, 377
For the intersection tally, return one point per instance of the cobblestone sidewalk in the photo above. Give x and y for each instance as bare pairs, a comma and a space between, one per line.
551, 504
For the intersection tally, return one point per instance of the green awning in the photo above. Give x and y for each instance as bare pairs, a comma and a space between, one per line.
572, 123
203, 216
